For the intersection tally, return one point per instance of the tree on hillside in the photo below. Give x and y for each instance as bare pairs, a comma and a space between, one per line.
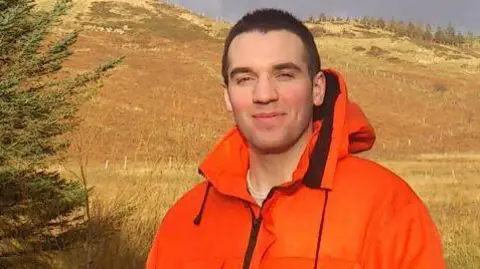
323, 17
427, 34
411, 30
470, 38
401, 29
439, 36
365, 20
37, 205
391, 25
450, 34
419, 30
460, 39
381, 23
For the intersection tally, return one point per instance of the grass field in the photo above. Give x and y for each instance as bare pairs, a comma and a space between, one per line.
128, 205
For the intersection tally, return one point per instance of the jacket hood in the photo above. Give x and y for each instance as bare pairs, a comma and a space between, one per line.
340, 129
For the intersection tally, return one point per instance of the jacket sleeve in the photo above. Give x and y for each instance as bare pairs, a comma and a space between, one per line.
409, 240
154, 255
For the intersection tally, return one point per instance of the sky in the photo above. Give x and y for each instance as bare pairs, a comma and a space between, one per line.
463, 14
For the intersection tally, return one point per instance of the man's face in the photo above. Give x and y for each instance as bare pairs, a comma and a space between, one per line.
270, 91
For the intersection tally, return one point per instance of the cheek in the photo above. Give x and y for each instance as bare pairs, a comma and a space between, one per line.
297, 98
240, 100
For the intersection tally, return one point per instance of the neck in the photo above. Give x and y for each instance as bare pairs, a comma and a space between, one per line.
272, 169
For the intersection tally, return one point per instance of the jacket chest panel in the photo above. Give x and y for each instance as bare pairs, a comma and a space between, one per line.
288, 233
292, 225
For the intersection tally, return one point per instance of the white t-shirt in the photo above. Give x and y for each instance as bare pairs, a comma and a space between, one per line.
258, 196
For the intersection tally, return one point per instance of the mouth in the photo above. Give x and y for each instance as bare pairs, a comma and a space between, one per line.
268, 120
268, 115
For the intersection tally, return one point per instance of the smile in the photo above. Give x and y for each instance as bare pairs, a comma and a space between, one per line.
268, 118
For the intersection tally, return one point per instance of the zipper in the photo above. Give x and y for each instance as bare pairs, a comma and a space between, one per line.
256, 224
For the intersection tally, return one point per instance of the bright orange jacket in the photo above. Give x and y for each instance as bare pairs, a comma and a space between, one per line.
339, 211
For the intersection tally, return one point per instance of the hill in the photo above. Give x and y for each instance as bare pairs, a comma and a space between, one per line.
166, 102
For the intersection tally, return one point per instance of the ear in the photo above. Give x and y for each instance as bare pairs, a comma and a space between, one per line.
226, 96
319, 87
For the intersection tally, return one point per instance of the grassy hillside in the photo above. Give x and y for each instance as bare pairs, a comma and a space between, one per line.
159, 114
420, 99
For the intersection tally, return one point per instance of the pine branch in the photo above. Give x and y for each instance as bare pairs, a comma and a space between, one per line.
34, 113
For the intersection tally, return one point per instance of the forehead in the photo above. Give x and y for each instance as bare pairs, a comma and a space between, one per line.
258, 49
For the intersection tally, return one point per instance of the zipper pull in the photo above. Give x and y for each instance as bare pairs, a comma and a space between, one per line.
257, 222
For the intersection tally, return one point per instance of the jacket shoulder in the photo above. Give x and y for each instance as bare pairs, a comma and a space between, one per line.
399, 219
375, 181
185, 208
177, 220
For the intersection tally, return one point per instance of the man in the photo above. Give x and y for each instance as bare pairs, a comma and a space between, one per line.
282, 188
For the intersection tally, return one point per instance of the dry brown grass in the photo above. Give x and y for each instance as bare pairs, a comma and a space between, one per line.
128, 205
126, 208
451, 189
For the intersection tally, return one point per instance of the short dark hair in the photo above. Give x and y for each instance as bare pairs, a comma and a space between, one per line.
268, 19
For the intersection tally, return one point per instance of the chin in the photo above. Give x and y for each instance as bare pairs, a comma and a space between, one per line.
270, 145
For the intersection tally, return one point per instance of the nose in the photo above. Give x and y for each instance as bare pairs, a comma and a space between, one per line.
265, 91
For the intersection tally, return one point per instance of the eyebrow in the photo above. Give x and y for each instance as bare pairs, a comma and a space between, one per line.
239, 70
277, 67
288, 65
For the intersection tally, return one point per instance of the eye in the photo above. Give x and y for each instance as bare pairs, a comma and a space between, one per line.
243, 80
285, 76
